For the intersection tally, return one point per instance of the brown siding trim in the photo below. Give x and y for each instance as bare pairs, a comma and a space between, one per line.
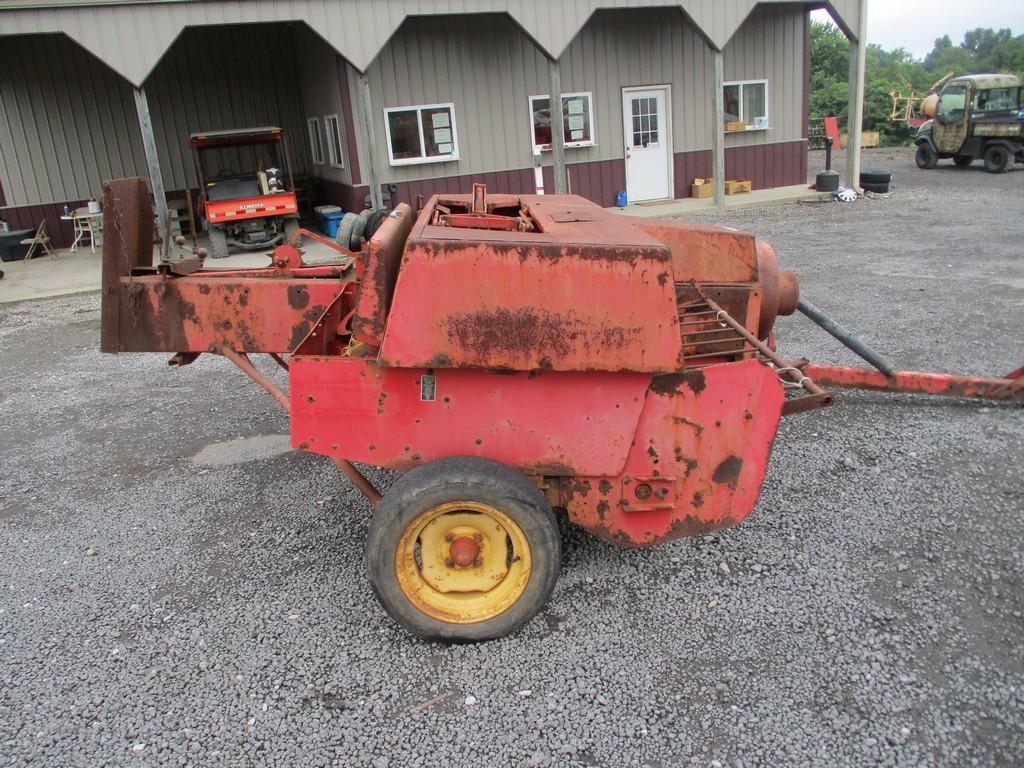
29, 216
62, 233
766, 165
349, 118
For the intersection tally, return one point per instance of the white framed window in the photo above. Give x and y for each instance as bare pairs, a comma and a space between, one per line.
422, 134
746, 102
333, 130
316, 141
577, 120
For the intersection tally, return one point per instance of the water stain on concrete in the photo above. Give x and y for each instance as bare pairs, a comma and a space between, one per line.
242, 450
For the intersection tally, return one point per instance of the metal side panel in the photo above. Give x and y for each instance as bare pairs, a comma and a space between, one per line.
534, 306
547, 423
700, 454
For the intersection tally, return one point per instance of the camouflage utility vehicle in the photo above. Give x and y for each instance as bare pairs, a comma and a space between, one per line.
975, 117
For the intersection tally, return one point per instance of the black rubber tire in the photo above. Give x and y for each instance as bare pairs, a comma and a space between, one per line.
875, 177
344, 236
463, 478
963, 161
926, 157
376, 219
218, 242
998, 159
359, 229
880, 189
290, 227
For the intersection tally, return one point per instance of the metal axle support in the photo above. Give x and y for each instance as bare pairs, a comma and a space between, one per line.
354, 475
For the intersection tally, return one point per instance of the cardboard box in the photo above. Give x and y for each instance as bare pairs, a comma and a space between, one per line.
868, 140
738, 187
703, 188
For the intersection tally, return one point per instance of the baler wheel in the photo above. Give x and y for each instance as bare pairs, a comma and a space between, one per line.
463, 549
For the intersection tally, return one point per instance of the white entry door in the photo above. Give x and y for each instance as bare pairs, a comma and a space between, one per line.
648, 143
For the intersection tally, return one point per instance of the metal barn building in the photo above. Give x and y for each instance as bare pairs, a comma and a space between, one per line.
390, 99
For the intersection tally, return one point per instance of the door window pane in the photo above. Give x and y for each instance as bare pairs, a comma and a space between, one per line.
645, 121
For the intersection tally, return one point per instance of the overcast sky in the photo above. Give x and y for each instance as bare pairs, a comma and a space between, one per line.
915, 24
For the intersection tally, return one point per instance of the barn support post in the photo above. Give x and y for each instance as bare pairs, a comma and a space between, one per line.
156, 179
557, 129
718, 129
372, 178
858, 74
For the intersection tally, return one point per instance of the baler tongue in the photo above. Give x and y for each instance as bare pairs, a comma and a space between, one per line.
884, 377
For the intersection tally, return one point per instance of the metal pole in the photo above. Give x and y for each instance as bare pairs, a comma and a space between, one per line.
557, 128
846, 338
156, 179
366, 107
718, 130
855, 124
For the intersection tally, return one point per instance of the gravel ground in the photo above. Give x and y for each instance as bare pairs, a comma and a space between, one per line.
170, 598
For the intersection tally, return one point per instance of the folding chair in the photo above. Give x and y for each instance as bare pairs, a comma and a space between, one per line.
40, 238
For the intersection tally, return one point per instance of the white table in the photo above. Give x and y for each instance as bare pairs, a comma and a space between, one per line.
86, 225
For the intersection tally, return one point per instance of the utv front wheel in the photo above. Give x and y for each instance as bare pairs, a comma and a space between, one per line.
463, 549
997, 159
218, 242
926, 157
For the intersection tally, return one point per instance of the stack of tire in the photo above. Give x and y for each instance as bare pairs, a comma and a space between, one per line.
876, 181
357, 227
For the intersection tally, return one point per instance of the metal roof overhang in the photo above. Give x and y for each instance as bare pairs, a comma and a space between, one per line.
131, 36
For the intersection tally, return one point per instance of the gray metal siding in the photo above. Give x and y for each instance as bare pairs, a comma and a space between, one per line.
485, 65
225, 77
131, 38
769, 46
488, 68
66, 122
318, 80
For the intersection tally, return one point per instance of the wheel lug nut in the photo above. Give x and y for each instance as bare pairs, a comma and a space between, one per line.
478, 537
477, 563
449, 538
449, 562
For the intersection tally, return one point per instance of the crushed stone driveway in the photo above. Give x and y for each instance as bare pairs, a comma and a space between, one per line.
177, 588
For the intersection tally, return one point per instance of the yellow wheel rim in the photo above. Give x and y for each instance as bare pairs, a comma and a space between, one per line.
463, 562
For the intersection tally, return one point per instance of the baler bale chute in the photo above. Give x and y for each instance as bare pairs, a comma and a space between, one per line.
512, 356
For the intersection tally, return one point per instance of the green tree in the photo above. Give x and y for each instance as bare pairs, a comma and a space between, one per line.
982, 50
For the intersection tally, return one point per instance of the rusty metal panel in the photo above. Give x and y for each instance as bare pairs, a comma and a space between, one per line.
705, 253
199, 313
701, 448
127, 244
590, 294
383, 257
554, 424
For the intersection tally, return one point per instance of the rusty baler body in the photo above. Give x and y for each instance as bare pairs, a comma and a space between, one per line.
625, 366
